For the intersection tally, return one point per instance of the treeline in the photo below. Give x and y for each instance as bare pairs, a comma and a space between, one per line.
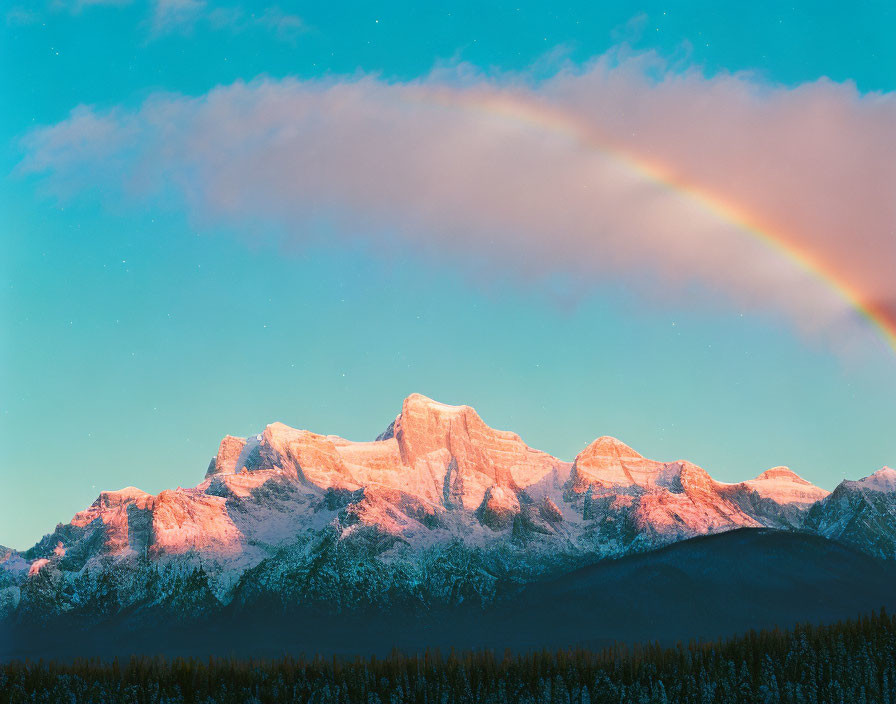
848, 663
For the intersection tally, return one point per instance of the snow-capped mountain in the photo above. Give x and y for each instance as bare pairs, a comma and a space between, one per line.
860, 513
439, 509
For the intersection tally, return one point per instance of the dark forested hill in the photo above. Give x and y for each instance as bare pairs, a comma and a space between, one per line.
703, 588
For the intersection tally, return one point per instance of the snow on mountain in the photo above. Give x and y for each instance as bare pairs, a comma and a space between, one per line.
784, 486
861, 513
440, 508
776, 498
883, 479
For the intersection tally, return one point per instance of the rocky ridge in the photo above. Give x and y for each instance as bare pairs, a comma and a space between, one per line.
439, 509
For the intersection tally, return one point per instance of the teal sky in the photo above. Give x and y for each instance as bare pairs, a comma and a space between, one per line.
135, 334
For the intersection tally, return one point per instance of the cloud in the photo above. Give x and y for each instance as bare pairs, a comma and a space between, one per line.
284, 26
534, 178
18, 15
183, 16
174, 15
76, 6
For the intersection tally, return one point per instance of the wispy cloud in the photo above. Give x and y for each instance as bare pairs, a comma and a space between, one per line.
79, 5
183, 16
19, 15
446, 167
283, 25
174, 15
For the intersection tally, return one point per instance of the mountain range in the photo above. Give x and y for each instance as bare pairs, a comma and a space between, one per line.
442, 514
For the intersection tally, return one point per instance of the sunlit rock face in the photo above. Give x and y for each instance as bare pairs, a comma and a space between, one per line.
649, 502
499, 508
463, 455
611, 463
228, 455
439, 508
784, 486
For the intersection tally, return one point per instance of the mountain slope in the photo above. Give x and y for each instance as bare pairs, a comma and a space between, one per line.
700, 588
711, 586
861, 513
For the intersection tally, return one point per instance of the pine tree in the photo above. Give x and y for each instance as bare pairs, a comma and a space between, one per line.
768, 683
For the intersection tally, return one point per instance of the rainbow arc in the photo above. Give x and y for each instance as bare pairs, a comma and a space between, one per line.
549, 118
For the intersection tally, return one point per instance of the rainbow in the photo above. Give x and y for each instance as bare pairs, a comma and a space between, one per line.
546, 117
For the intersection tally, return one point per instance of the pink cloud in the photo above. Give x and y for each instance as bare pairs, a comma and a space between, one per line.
435, 165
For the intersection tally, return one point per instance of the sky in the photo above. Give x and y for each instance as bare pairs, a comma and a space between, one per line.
671, 223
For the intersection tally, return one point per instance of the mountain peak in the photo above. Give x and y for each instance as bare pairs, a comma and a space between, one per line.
456, 445
883, 479
426, 426
421, 413
780, 473
228, 453
609, 461
608, 446
784, 486
118, 497
416, 400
